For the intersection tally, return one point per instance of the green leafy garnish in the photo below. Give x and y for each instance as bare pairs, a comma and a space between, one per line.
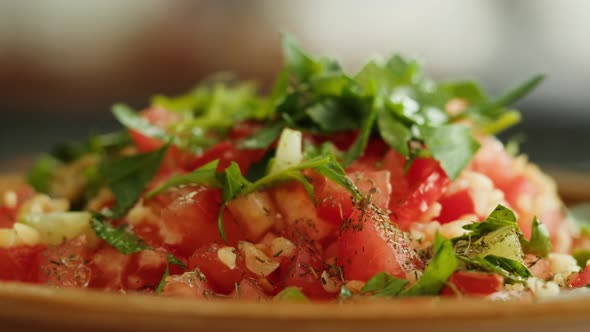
452, 145
383, 284
119, 238
442, 265
582, 256
499, 218
41, 175
204, 175
540, 243
130, 119
127, 177
291, 294
512, 270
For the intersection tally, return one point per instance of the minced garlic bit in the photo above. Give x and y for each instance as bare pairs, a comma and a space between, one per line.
542, 289
19, 235
330, 283
227, 255
43, 204
562, 266
282, 247
355, 286
10, 199
256, 260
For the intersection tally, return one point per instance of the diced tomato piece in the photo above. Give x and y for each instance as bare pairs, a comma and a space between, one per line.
372, 157
370, 244
108, 269
244, 129
580, 279
189, 219
455, 205
248, 289
427, 182
146, 268
255, 213
395, 164
228, 152
20, 263
335, 202
299, 213
189, 285
66, 265
304, 270
8, 215
473, 283
221, 277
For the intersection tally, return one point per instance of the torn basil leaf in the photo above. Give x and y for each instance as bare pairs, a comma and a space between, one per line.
440, 268
384, 285
291, 294
205, 175
540, 242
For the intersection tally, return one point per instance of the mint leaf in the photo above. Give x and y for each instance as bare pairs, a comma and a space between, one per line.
384, 284
291, 294
119, 238
452, 145
128, 176
540, 243
439, 270
205, 175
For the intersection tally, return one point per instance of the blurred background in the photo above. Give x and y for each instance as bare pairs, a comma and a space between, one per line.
63, 63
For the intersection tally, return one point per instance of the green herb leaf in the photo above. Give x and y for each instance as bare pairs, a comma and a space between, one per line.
520, 91
263, 137
540, 243
119, 238
499, 218
452, 145
127, 116
297, 61
332, 170
205, 175
162, 282
329, 116
345, 293
291, 294
394, 133
359, 145
41, 175
582, 256
439, 270
171, 259
512, 270
384, 284
232, 184
128, 176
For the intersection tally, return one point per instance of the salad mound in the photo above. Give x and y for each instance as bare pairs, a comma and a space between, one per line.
333, 186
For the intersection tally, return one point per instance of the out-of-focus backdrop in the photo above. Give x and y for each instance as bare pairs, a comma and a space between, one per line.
63, 63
